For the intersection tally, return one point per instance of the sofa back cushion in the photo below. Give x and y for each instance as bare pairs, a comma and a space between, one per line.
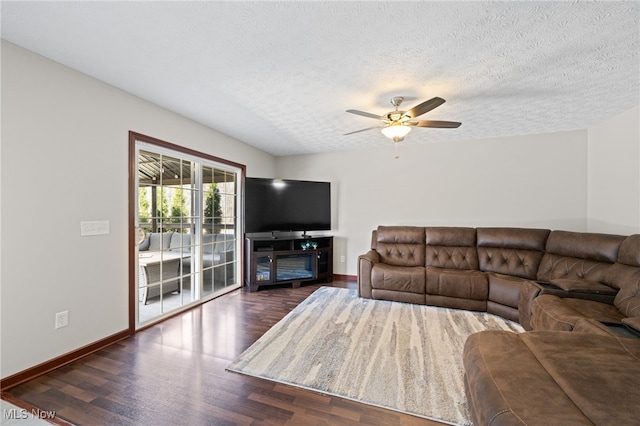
451, 248
578, 255
207, 243
180, 242
160, 240
628, 298
224, 243
629, 253
401, 245
211, 243
511, 251
627, 267
625, 275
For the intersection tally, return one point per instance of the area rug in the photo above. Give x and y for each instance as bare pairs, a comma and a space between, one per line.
398, 356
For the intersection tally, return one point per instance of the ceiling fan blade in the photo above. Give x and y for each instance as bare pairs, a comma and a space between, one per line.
435, 123
362, 130
424, 107
364, 114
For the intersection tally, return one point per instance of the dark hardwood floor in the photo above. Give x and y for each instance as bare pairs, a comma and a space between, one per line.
173, 373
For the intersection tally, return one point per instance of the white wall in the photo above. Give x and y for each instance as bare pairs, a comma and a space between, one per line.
530, 181
65, 160
614, 174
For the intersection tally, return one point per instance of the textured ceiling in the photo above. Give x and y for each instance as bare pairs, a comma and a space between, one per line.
280, 75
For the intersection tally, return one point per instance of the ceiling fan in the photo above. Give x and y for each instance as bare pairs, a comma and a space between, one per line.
397, 124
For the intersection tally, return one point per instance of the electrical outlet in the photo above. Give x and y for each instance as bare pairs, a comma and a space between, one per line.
342, 259
62, 319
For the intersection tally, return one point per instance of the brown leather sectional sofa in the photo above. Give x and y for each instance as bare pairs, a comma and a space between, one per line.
577, 293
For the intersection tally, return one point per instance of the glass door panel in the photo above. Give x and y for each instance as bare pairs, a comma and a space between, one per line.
296, 266
188, 208
165, 193
219, 229
263, 269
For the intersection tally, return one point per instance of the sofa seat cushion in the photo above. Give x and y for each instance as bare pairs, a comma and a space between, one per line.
505, 289
506, 385
504, 295
600, 376
398, 278
460, 284
528, 379
550, 312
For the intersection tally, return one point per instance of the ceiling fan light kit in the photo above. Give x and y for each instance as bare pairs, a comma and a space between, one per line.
396, 131
397, 124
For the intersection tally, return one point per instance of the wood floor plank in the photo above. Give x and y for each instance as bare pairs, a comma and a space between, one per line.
174, 373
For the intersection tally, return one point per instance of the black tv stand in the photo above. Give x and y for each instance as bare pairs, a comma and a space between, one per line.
273, 261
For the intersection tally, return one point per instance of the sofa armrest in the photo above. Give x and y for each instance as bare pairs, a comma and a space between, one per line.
365, 266
549, 312
528, 292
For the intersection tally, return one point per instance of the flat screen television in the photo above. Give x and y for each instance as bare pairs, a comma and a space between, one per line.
286, 205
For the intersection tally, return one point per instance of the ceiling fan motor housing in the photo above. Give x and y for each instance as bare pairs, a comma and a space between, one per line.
396, 116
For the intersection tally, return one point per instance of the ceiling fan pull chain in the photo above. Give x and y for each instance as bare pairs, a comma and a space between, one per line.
395, 144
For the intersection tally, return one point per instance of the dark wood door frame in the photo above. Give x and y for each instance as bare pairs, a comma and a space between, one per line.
133, 170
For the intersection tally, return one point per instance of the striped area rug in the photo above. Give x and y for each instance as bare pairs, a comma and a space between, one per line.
399, 356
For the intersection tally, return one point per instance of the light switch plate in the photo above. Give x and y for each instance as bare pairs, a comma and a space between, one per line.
94, 228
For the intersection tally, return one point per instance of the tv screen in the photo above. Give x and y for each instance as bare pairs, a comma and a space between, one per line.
286, 205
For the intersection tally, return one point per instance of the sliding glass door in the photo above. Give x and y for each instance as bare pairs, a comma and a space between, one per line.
187, 230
